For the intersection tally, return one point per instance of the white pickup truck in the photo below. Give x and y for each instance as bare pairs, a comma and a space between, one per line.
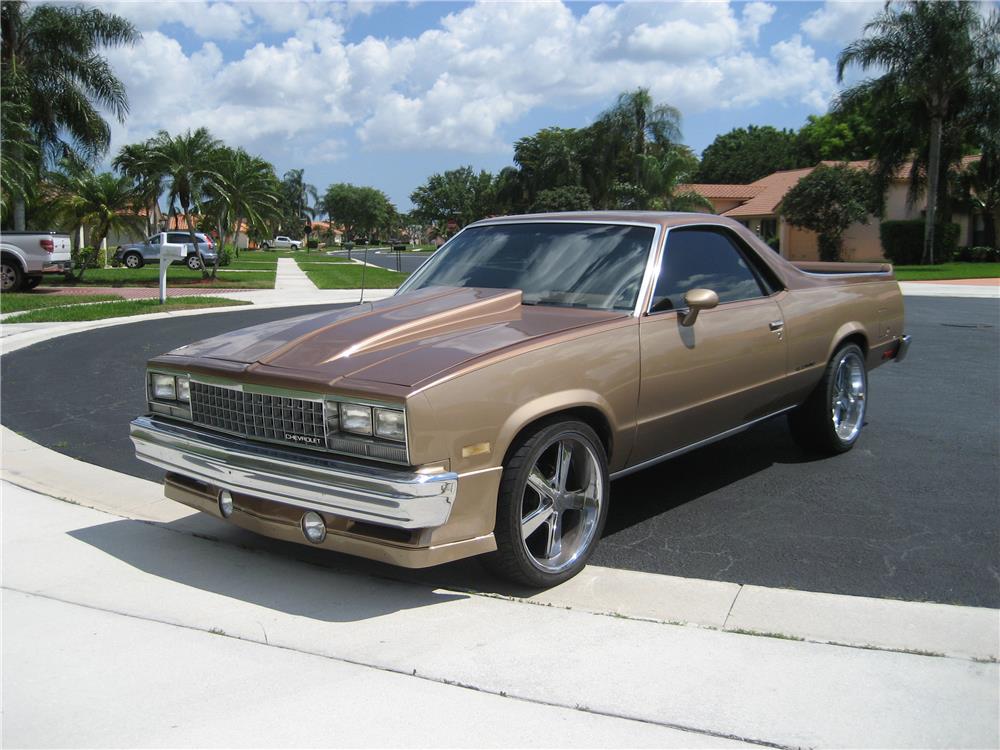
281, 241
25, 256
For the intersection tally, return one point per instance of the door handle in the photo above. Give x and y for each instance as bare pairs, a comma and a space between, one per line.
777, 325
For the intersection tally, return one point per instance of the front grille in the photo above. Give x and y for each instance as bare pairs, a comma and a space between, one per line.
294, 421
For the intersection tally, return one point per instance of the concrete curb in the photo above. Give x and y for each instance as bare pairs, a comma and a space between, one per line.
887, 625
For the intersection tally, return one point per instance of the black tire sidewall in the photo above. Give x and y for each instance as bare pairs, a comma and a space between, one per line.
139, 261
508, 527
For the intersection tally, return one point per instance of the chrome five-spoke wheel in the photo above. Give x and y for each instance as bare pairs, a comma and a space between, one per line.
831, 418
848, 398
561, 504
552, 505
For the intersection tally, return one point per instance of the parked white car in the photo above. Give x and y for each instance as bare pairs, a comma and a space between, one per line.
25, 256
281, 242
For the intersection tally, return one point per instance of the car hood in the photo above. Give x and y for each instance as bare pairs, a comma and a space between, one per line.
404, 340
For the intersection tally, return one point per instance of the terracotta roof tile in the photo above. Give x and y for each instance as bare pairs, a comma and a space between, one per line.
708, 190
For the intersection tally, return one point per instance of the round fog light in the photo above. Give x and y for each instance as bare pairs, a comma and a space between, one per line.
314, 527
226, 503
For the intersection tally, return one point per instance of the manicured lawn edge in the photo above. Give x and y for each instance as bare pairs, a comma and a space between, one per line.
348, 276
18, 301
945, 271
120, 309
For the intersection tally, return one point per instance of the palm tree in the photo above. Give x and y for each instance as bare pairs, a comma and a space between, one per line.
246, 190
103, 202
49, 61
638, 123
663, 173
187, 163
297, 194
134, 161
938, 56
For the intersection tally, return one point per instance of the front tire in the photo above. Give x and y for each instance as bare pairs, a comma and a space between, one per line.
133, 260
552, 505
831, 419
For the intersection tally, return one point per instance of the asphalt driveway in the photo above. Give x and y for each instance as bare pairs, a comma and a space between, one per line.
911, 513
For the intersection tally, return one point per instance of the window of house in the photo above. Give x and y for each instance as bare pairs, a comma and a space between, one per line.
703, 258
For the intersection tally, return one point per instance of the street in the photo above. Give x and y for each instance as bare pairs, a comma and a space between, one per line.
911, 513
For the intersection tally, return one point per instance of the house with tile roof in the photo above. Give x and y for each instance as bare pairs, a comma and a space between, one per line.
756, 206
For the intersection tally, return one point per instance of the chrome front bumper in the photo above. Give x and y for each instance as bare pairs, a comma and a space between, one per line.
389, 497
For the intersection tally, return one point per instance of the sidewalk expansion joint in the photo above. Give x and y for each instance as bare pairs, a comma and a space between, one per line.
410, 673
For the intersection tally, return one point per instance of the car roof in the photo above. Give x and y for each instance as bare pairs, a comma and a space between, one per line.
662, 218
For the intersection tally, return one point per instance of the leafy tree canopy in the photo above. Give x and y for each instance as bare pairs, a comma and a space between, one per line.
827, 201
746, 154
360, 210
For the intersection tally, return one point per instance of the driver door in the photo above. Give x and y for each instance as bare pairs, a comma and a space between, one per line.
727, 368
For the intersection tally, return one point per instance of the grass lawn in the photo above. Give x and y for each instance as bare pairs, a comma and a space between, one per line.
948, 271
348, 276
119, 309
15, 301
319, 259
176, 276
251, 265
268, 255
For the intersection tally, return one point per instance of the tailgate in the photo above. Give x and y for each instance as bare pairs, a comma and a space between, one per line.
60, 248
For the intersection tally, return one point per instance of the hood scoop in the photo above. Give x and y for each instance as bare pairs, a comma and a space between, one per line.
500, 308
387, 325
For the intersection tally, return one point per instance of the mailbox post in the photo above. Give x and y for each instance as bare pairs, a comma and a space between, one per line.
168, 254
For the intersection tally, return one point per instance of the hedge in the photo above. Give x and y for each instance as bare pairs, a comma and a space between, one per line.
903, 241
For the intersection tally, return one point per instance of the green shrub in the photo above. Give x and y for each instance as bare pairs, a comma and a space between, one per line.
903, 241
225, 256
312, 244
88, 257
978, 254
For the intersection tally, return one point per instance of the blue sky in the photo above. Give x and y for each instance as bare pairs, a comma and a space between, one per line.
387, 93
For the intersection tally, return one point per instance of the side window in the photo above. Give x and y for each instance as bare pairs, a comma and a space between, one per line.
178, 238
702, 258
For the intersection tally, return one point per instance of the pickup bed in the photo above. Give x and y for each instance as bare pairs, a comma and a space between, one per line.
26, 256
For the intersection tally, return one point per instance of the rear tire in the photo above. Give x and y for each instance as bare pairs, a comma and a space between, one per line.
831, 419
31, 282
552, 505
11, 276
194, 262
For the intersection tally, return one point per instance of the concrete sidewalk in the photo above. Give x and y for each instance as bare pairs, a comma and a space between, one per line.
127, 612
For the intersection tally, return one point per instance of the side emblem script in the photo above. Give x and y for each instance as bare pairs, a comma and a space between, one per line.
309, 440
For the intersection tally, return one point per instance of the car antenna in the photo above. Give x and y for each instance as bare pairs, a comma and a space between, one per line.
363, 269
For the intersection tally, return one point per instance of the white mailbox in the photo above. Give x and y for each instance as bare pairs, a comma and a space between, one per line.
169, 252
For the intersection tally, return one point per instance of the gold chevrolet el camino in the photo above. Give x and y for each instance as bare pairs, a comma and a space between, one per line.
484, 409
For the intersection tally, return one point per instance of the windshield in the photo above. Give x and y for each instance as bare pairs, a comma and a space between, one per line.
598, 266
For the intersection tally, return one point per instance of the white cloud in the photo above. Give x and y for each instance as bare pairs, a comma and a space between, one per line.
454, 87
840, 21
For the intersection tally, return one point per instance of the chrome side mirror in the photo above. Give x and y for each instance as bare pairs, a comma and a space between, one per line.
696, 301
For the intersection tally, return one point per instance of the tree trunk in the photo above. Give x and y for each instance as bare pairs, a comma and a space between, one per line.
933, 177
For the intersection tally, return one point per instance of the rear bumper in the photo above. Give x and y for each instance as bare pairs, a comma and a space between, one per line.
57, 266
386, 497
903, 348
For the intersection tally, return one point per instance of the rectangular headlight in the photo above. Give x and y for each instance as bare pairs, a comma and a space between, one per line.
184, 388
390, 424
356, 418
164, 387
